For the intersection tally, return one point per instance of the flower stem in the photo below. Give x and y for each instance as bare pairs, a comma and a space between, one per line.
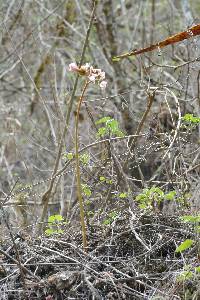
78, 175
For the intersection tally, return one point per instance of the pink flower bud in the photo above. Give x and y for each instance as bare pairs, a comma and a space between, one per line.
73, 67
92, 78
103, 84
92, 74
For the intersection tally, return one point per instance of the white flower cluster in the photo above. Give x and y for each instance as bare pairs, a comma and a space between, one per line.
94, 75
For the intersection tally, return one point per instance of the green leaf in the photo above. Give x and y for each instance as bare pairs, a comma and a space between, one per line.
123, 195
102, 178
111, 217
112, 125
49, 231
119, 133
140, 197
184, 246
86, 190
145, 206
190, 118
70, 156
55, 218
107, 222
87, 202
157, 190
102, 120
84, 158
102, 131
170, 195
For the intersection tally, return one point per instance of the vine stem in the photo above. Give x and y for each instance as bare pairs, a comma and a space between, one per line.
78, 173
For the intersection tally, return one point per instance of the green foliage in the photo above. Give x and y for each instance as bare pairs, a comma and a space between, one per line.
188, 273
104, 179
85, 158
51, 231
184, 246
90, 213
110, 219
123, 195
191, 219
170, 196
190, 122
55, 219
189, 118
68, 155
111, 126
102, 120
55, 223
86, 190
185, 275
102, 131
153, 196
194, 220
87, 202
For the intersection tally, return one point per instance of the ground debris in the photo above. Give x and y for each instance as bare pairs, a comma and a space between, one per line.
124, 260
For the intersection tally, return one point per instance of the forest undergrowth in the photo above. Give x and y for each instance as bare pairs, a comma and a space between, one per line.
99, 178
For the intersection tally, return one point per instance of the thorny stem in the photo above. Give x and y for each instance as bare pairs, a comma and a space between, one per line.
78, 175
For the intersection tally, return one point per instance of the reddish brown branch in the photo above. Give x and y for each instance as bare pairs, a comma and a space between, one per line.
193, 31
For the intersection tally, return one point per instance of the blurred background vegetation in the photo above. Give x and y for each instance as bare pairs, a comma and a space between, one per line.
38, 41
